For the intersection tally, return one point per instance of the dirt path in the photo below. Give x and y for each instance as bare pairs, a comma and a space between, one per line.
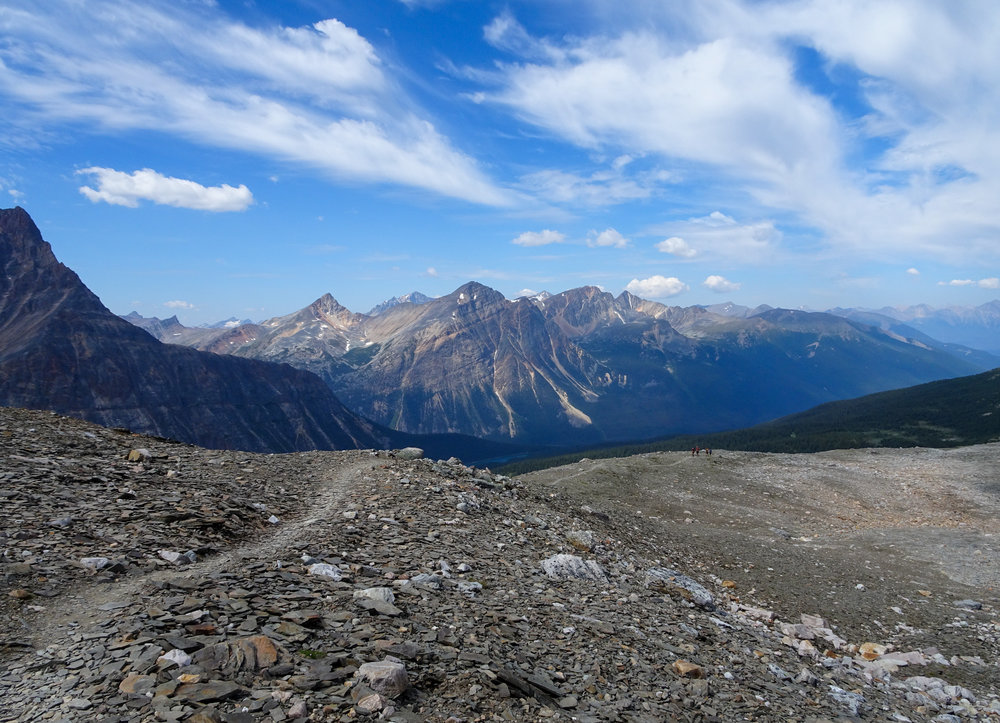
82, 608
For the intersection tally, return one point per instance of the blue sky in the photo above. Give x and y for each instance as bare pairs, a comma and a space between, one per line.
242, 158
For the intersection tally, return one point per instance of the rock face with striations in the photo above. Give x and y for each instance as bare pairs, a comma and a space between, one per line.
61, 349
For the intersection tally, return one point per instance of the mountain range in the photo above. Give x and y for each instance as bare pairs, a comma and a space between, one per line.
582, 366
579, 367
61, 349
977, 327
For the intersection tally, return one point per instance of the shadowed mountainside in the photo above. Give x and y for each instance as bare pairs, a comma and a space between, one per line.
946, 413
61, 349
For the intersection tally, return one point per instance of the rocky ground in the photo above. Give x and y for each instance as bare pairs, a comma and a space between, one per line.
149, 580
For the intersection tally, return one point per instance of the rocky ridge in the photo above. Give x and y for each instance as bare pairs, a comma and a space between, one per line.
62, 349
579, 367
150, 580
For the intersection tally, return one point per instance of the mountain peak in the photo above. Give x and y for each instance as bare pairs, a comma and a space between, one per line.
473, 291
414, 297
21, 243
62, 349
327, 304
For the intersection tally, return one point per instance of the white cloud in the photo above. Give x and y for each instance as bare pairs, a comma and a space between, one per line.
127, 189
607, 237
720, 284
432, 272
178, 304
989, 283
719, 235
539, 238
676, 246
601, 188
317, 96
715, 87
657, 287
913, 272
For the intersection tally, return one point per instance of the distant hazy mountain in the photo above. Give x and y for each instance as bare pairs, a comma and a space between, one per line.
892, 326
414, 297
582, 366
977, 327
61, 349
228, 323
741, 312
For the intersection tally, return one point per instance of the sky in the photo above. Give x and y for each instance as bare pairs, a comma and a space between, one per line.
220, 158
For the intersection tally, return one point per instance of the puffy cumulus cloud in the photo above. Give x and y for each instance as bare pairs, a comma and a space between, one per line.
607, 237
178, 304
127, 189
720, 284
318, 96
913, 271
431, 272
991, 283
957, 282
677, 246
657, 287
539, 238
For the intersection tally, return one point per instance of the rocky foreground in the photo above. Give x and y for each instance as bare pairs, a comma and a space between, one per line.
149, 580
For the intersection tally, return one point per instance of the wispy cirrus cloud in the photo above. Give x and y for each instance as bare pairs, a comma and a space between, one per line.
718, 235
872, 124
988, 283
317, 96
127, 189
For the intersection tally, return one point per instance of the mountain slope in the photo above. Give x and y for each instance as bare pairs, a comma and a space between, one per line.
680, 370
583, 366
977, 327
61, 349
946, 413
899, 330
473, 362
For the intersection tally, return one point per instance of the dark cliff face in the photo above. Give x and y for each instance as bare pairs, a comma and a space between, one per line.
61, 349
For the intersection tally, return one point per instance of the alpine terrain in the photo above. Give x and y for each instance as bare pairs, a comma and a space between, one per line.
61, 349
582, 366
145, 580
